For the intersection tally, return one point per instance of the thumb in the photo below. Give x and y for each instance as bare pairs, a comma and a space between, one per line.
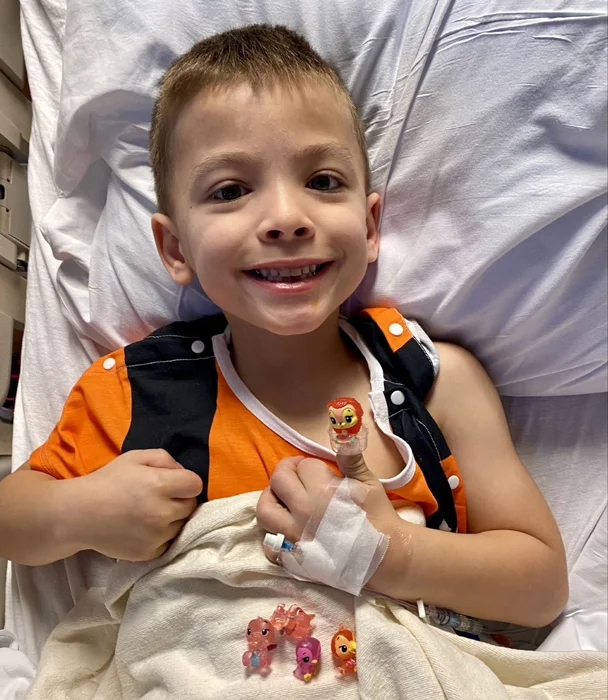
157, 458
354, 466
182, 483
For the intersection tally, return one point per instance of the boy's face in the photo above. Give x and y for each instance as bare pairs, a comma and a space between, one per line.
269, 205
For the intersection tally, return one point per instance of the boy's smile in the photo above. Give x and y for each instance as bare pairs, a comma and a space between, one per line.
290, 275
269, 204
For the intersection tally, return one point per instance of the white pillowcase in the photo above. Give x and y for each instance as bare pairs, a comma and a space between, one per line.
487, 138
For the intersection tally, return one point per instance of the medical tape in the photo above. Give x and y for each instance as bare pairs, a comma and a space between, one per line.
339, 546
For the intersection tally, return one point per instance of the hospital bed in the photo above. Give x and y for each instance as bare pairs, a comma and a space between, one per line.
486, 129
15, 223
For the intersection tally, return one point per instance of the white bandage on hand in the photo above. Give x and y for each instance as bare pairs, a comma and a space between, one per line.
339, 546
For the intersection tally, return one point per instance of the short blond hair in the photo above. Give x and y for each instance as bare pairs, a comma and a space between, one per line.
260, 55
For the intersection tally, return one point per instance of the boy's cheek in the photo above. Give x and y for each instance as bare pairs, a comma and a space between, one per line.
201, 257
372, 251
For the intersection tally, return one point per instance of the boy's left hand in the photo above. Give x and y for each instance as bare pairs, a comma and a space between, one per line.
297, 486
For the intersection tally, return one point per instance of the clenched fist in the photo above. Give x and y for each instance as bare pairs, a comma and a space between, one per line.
135, 505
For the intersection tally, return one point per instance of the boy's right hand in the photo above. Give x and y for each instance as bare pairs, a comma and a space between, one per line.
133, 507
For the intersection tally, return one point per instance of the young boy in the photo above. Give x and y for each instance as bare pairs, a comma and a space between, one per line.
264, 194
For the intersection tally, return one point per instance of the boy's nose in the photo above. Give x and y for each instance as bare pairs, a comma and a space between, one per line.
275, 234
286, 219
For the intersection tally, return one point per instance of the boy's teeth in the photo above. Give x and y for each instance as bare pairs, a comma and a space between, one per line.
287, 272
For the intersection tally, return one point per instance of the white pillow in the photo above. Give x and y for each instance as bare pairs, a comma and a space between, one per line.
487, 137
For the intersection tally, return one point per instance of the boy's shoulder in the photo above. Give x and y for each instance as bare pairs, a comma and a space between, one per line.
462, 377
165, 346
401, 346
177, 340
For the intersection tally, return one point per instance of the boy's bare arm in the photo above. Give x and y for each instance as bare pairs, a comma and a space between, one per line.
32, 507
131, 509
512, 566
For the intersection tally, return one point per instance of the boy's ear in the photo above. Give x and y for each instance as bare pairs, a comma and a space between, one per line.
170, 249
373, 219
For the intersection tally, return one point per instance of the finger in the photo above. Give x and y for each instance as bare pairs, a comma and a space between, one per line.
182, 508
354, 466
273, 517
173, 530
152, 554
314, 474
180, 483
156, 458
159, 551
290, 463
287, 487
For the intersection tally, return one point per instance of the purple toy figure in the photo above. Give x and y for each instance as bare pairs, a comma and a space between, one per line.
261, 641
308, 655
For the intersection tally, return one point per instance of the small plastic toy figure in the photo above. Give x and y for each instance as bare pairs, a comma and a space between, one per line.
261, 640
308, 655
294, 623
347, 434
344, 651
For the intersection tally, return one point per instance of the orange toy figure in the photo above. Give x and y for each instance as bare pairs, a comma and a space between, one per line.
261, 640
344, 651
294, 623
347, 434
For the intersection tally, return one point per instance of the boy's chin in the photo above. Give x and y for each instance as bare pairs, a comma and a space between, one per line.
299, 325
286, 323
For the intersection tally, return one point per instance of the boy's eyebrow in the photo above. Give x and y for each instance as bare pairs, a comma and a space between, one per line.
316, 151
327, 150
234, 158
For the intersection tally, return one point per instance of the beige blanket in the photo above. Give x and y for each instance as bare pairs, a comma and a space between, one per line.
175, 628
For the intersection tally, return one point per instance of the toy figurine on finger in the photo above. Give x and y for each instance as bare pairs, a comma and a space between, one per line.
347, 434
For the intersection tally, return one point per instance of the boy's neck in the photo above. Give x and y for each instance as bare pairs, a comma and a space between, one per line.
278, 369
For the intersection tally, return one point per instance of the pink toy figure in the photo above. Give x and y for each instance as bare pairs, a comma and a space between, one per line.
294, 623
261, 640
308, 655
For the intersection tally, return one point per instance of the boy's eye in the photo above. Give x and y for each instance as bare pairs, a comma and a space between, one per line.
324, 183
229, 193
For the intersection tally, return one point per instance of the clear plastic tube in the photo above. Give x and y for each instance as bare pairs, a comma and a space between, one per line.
449, 618
441, 617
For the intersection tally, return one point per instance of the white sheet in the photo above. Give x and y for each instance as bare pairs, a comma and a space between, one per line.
585, 621
487, 136
16, 671
562, 439
175, 628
